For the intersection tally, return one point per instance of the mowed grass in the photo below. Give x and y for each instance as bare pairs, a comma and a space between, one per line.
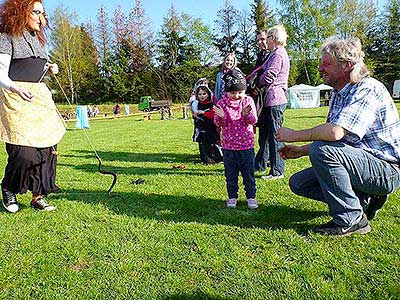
172, 238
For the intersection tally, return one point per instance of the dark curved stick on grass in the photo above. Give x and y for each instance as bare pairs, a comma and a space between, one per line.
114, 175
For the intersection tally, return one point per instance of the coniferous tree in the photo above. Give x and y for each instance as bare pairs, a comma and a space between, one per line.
384, 48
104, 41
103, 36
247, 50
227, 28
117, 63
200, 36
119, 25
262, 15
178, 58
140, 38
88, 84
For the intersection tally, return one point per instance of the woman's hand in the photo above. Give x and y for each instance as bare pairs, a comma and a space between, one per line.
26, 95
53, 68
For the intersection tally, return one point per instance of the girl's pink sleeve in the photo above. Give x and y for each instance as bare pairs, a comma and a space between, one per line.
252, 117
218, 121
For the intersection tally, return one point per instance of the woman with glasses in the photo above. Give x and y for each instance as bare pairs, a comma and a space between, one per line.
275, 81
30, 124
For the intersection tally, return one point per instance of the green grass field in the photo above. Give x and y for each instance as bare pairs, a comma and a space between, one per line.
172, 238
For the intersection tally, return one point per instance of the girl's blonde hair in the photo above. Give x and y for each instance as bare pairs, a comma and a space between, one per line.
234, 61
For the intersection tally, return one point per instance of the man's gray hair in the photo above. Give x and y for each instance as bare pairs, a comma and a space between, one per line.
347, 50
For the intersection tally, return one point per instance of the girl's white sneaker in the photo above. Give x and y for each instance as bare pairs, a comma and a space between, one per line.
231, 203
252, 203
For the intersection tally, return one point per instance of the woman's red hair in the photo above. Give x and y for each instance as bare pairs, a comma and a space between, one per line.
14, 16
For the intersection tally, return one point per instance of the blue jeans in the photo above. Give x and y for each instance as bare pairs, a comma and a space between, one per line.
338, 173
262, 156
243, 161
275, 121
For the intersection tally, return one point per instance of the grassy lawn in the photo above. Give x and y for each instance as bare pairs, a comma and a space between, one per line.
172, 238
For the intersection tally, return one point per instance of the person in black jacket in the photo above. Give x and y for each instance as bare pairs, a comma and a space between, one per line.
258, 95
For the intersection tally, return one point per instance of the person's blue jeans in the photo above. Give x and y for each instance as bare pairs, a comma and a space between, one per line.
338, 173
262, 156
274, 121
243, 161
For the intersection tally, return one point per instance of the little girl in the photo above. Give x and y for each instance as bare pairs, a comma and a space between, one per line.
235, 113
205, 132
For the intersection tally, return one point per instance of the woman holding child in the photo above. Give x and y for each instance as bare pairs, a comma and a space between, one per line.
275, 80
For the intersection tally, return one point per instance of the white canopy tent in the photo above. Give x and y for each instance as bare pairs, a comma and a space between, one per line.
305, 96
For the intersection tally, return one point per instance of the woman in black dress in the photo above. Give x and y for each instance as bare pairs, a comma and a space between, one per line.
30, 124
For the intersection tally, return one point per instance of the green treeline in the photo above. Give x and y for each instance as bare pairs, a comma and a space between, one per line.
118, 57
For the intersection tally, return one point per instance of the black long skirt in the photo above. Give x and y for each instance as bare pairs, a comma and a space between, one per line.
30, 168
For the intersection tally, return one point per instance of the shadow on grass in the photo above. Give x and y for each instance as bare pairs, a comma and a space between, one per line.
138, 157
196, 296
188, 209
176, 161
132, 171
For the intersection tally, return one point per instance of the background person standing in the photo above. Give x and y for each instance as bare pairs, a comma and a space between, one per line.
228, 64
275, 80
258, 94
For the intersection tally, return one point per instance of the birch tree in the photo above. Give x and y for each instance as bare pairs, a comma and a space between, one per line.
66, 52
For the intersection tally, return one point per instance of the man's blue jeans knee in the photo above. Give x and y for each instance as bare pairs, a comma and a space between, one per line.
338, 170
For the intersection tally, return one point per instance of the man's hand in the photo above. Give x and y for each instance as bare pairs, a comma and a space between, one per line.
219, 112
246, 110
293, 151
26, 95
286, 134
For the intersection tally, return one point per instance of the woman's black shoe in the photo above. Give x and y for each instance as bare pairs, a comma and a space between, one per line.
9, 201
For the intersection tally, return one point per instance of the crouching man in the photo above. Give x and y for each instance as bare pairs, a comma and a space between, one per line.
355, 155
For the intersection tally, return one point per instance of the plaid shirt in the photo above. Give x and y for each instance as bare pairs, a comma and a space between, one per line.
368, 114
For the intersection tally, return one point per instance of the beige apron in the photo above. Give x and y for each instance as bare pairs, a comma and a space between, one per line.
36, 124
